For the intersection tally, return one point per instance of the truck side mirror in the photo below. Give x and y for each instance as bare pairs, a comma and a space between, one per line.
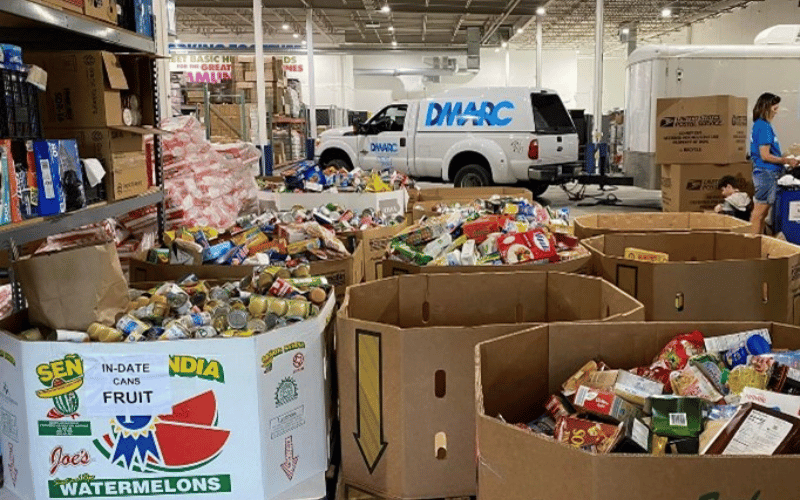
358, 127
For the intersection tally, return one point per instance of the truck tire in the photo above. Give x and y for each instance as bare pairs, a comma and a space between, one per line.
538, 188
472, 175
338, 164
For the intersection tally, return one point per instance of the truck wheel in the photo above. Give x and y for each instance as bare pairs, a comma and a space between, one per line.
538, 188
338, 164
472, 176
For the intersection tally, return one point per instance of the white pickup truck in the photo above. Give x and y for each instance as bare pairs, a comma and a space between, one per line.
471, 136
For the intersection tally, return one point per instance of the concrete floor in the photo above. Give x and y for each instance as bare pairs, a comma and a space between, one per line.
631, 199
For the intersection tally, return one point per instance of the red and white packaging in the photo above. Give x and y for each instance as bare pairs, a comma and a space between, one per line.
534, 246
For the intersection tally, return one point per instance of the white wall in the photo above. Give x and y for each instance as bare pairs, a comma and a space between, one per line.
613, 82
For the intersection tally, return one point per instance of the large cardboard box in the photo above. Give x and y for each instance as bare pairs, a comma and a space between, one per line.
390, 203
587, 226
693, 188
709, 129
710, 276
73, 5
121, 151
340, 273
217, 418
84, 88
375, 242
397, 268
425, 199
405, 362
515, 376
104, 10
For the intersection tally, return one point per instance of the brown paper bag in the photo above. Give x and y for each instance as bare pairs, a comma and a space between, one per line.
72, 289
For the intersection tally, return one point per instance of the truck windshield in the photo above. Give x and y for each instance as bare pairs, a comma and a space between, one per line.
550, 116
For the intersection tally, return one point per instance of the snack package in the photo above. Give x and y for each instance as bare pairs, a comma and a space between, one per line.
691, 382
680, 349
657, 372
605, 404
746, 376
587, 435
636, 389
640, 255
713, 369
787, 404
570, 387
677, 416
727, 342
784, 380
480, 228
533, 246
558, 407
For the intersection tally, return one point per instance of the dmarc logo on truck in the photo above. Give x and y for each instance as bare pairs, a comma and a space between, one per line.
460, 113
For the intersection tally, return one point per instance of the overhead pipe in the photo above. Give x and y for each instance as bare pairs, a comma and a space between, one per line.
500, 21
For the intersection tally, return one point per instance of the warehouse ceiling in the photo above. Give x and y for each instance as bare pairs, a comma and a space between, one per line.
567, 24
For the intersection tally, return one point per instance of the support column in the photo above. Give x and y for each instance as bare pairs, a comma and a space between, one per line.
538, 51
267, 160
312, 90
598, 73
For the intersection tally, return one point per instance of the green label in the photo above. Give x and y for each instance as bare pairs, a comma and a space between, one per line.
56, 428
89, 487
8, 357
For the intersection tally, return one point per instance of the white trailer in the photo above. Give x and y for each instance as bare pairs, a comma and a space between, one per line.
658, 71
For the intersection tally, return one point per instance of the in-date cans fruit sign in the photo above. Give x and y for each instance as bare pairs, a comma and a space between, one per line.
127, 385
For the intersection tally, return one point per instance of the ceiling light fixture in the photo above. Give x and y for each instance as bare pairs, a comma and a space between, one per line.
626, 31
304, 42
504, 44
667, 12
386, 9
295, 35
496, 50
286, 27
391, 28
394, 43
372, 26
520, 31
540, 11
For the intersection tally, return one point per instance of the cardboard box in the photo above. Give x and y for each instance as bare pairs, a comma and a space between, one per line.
375, 242
340, 273
398, 268
390, 203
425, 199
405, 360
587, 226
693, 188
73, 5
85, 88
121, 151
243, 405
710, 129
516, 375
104, 10
710, 276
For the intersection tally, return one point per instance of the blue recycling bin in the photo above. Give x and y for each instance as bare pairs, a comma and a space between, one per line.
786, 218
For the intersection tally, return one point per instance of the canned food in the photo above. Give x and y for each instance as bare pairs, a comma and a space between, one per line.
265, 279
98, 331
153, 333
301, 271
277, 306
317, 295
135, 337
257, 325
199, 299
258, 306
175, 331
298, 309
220, 294
205, 332
237, 319
237, 333
272, 321
189, 280
193, 321
128, 324
69, 336
32, 334
220, 322
237, 305
283, 273
137, 303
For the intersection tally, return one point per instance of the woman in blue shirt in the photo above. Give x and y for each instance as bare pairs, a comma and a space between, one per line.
768, 162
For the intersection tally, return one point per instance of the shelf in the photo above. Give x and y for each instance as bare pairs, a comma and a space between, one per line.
23, 22
284, 119
41, 227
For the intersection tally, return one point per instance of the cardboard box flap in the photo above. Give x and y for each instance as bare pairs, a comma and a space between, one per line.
114, 74
578, 298
772, 248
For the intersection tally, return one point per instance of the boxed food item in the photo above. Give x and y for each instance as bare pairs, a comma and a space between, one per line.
27, 185
512, 387
48, 174
708, 129
104, 10
417, 400
640, 255
717, 276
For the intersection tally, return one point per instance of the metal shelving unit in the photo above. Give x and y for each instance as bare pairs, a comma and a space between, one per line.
17, 17
36, 26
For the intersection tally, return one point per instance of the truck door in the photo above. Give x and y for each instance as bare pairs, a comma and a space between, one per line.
558, 139
385, 143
